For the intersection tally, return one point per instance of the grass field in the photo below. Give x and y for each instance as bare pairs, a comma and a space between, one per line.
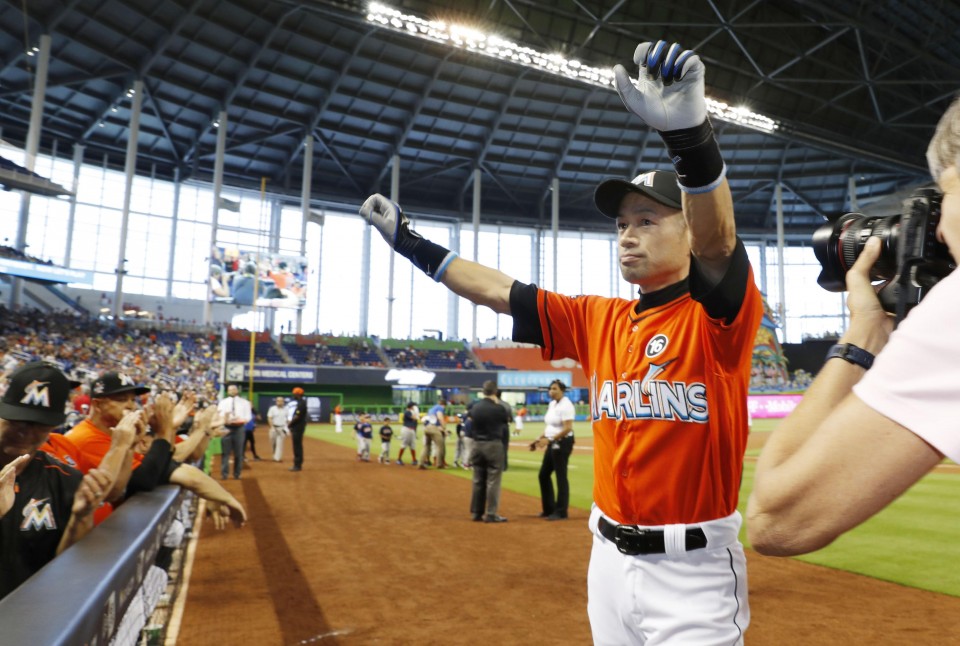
913, 542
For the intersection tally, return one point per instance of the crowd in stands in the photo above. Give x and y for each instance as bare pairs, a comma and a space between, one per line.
84, 347
333, 351
765, 378
263, 352
431, 359
15, 254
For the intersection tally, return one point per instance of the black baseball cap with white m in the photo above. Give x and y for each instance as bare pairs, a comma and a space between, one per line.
659, 185
37, 393
115, 383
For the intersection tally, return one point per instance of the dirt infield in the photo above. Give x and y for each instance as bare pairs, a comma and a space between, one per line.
357, 553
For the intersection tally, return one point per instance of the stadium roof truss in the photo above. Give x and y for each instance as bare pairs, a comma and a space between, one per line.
854, 87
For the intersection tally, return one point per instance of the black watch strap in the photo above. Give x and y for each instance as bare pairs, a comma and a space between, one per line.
851, 353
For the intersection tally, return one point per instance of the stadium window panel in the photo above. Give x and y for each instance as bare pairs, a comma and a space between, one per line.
290, 221
379, 307
489, 254
9, 217
94, 246
404, 275
465, 309
516, 247
429, 304
161, 198
569, 278
284, 318
114, 189
91, 186
310, 309
547, 279
138, 230
340, 260
182, 289
191, 253
152, 287
288, 246
249, 320
132, 285
157, 247
466, 241
47, 229
196, 203
595, 254
254, 215
105, 282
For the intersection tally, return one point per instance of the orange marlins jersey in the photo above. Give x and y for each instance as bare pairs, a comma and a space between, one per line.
62, 448
93, 444
668, 393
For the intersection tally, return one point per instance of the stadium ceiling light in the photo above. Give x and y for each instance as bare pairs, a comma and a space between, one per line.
463, 37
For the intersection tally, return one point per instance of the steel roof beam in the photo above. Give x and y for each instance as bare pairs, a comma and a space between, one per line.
336, 160
399, 142
293, 154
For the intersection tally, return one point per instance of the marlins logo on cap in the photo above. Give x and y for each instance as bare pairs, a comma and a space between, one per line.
659, 185
38, 393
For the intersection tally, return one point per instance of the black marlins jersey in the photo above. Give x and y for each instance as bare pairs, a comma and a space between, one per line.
31, 531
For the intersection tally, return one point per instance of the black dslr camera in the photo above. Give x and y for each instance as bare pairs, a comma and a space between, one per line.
911, 259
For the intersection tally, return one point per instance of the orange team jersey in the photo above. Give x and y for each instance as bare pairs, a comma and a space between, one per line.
60, 447
92, 443
668, 393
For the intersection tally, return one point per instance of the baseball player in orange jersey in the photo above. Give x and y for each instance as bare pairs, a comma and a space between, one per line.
668, 372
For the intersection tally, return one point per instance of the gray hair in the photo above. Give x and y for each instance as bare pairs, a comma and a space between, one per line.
944, 149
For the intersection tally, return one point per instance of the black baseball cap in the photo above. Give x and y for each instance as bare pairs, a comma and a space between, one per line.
37, 392
115, 383
659, 185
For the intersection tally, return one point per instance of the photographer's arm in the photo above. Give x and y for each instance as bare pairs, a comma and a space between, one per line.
834, 462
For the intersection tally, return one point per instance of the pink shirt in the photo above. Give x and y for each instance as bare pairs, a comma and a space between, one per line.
915, 380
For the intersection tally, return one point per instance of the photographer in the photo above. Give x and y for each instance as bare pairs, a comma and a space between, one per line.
864, 434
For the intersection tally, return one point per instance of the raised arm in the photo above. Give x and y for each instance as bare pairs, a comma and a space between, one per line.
668, 95
477, 283
89, 495
118, 462
199, 432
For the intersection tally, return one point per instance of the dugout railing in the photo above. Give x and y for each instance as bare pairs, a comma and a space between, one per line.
80, 597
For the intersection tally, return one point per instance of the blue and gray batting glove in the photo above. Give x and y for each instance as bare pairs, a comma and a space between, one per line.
668, 95
388, 218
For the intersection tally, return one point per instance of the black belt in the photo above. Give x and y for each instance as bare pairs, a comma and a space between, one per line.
633, 541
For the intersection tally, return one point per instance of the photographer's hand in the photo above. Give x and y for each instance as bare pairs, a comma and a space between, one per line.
870, 324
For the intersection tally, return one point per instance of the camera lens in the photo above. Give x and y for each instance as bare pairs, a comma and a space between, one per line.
838, 244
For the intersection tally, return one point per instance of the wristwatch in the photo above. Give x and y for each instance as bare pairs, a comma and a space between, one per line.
852, 354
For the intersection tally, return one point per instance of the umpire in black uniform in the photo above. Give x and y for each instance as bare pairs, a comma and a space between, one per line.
489, 421
298, 426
